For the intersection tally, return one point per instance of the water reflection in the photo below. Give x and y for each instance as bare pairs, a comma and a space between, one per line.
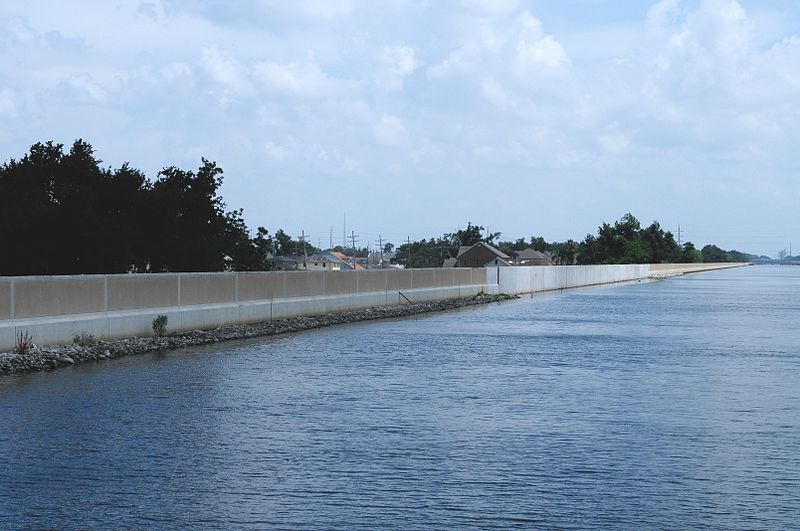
645, 405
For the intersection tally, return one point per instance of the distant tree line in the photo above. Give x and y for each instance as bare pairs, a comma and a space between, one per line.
62, 213
624, 242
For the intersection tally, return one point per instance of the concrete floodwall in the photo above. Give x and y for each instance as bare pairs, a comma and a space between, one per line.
514, 280
55, 308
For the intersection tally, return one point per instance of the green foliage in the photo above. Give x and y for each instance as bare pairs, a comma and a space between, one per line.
83, 339
23, 343
472, 235
712, 253
286, 246
160, 325
50, 199
690, 255
626, 242
426, 253
433, 252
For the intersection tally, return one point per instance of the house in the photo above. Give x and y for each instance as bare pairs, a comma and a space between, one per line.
481, 255
347, 261
531, 257
320, 262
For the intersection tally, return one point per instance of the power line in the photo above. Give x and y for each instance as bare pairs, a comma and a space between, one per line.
353, 240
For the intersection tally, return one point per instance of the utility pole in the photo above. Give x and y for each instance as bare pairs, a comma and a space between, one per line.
303, 239
330, 243
679, 236
353, 240
380, 248
408, 241
344, 230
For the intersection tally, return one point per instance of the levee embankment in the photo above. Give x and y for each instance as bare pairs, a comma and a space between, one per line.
54, 309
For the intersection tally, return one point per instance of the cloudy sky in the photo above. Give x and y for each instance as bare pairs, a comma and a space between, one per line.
537, 117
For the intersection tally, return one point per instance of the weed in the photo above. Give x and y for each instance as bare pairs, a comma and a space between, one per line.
24, 343
83, 339
160, 325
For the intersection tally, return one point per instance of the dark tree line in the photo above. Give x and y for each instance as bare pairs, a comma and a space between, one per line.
62, 213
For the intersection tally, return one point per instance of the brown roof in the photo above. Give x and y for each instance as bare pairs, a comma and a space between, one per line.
495, 250
531, 254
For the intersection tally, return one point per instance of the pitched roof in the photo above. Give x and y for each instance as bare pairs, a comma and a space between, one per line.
531, 254
494, 250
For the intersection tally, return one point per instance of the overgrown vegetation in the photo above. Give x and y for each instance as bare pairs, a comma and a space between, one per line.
24, 343
84, 339
160, 325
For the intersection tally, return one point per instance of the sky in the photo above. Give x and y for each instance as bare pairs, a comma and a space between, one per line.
413, 118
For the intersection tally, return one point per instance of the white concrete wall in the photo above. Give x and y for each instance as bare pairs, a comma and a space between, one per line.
55, 308
514, 280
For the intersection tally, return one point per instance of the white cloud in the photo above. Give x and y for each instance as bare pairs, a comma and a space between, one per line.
495, 93
395, 63
489, 7
455, 62
535, 50
615, 143
8, 103
88, 87
304, 78
326, 9
225, 69
351, 165
390, 131
276, 152
506, 91
663, 14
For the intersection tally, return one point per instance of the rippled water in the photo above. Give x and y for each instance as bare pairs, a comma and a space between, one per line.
667, 404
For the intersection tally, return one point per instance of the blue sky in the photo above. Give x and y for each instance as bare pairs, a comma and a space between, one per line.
531, 118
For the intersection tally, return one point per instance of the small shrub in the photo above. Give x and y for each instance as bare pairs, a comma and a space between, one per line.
83, 339
160, 325
24, 343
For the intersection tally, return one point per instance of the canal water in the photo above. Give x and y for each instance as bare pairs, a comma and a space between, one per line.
646, 405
